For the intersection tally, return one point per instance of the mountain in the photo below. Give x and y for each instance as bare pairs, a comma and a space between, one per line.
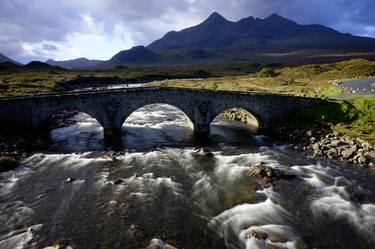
80, 63
137, 55
37, 65
274, 39
273, 33
3, 58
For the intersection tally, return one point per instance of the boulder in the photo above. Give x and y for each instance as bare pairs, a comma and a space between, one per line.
257, 234
118, 182
346, 154
268, 174
70, 180
204, 152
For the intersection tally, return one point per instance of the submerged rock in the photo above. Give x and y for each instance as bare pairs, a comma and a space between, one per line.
204, 152
269, 174
70, 180
118, 182
256, 234
159, 244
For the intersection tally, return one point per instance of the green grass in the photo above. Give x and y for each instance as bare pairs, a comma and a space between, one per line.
354, 117
373, 84
309, 80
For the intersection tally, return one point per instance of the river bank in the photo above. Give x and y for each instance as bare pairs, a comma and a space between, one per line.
319, 140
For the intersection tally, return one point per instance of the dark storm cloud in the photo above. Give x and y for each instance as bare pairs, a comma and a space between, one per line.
45, 22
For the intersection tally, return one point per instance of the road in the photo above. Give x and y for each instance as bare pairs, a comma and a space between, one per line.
360, 87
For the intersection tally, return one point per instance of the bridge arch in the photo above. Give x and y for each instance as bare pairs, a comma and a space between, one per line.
239, 114
168, 110
124, 114
43, 120
256, 117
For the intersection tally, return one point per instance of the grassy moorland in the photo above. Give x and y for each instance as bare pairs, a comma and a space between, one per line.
309, 80
20, 81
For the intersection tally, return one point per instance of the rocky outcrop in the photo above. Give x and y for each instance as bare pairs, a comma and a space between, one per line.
343, 148
320, 140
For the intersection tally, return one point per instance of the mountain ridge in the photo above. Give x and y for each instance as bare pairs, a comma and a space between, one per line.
79, 63
4, 58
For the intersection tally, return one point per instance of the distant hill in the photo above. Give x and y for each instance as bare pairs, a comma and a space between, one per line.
137, 55
4, 58
37, 65
80, 63
9, 66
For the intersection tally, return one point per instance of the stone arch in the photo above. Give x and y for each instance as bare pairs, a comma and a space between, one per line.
241, 115
125, 115
129, 112
257, 117
42, 121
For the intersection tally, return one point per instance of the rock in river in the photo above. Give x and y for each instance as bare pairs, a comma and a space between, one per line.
204, 152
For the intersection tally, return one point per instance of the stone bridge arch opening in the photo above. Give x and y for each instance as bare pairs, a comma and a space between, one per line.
73, 130
157, 123
235, 118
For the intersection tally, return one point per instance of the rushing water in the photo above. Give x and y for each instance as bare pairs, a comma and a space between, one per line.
158, 193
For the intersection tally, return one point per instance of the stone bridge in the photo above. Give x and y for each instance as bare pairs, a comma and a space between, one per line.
111, 107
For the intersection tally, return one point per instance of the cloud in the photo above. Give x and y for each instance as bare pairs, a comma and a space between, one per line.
62, 29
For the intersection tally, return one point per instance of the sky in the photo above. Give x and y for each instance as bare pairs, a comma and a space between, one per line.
98, 29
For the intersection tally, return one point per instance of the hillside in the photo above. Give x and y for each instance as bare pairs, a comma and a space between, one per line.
4, 58
80, 63
37, 65
137, 55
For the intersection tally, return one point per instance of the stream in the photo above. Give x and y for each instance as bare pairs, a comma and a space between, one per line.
160, 193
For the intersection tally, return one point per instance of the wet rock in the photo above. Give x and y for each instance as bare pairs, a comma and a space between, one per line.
347, 153
204, 152
159, 244
257, 234
118, 182
63, 244
70, 180
268, 174
362, 160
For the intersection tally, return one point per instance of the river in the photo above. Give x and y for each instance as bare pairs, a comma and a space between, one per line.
158, 193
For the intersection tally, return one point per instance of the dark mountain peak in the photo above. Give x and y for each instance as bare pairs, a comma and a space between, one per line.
138, 49
4, 58
38, 65
277, 18
215, 18
135, 55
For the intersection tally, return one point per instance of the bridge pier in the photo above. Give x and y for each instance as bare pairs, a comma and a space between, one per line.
202, 133
113, 138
